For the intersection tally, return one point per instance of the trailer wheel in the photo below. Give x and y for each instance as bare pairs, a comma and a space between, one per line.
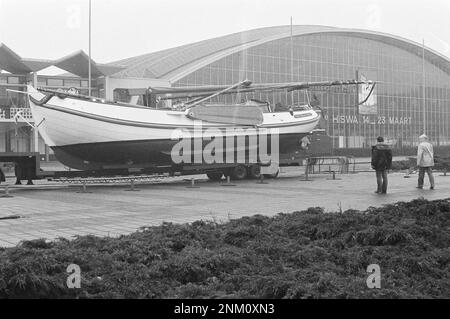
254, 171
215, 176
239, 172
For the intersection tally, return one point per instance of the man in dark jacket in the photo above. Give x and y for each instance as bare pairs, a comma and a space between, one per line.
2, 176
381, 162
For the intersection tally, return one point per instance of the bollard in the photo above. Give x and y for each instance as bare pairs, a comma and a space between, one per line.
192, 184
132, 189
334, 177
261, 179
228, 183
84, 189
6, 195
445, 173
306, 178
408, 174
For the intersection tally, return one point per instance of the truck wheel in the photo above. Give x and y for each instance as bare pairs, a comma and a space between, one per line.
254, 171
239, 172
215, 176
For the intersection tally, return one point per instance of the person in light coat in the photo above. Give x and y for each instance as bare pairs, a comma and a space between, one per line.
425, 161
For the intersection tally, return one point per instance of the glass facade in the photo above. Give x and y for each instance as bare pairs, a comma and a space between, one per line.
401, 114
402, 107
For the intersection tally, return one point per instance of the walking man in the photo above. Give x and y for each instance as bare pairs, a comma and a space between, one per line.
425, 161
381, 162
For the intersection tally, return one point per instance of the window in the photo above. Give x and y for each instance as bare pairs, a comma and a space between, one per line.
42, 82
54, 82
13, 79
75, 83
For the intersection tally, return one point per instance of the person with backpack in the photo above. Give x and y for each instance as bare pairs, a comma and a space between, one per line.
381, 163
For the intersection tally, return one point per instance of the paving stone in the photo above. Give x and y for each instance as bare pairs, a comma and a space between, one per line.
61, 212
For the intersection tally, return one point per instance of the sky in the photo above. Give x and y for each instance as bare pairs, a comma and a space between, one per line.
51, 29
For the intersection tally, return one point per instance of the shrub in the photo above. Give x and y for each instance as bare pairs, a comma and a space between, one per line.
308, 254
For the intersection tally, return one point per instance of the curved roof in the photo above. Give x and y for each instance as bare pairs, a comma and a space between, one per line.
175, 63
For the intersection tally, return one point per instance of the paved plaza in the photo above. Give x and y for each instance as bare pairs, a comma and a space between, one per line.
51, 210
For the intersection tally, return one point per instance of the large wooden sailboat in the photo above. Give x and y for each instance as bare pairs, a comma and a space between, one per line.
91, 133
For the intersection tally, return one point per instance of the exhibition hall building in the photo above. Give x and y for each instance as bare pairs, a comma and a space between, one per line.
411, 96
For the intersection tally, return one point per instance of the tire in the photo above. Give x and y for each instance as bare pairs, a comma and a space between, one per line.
214, 176
254, 171
239, 172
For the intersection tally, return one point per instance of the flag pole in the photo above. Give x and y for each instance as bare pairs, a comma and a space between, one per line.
292, 63
423, 88
89, 68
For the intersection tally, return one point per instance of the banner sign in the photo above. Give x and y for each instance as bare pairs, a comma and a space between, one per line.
369, 107
370, 120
